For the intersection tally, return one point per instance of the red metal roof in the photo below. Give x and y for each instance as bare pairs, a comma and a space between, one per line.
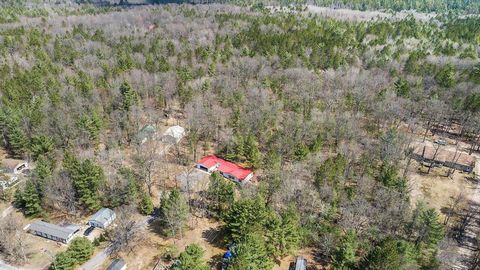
225, 167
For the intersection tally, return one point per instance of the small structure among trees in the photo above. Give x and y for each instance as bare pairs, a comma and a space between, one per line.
102, 218
442, 157
173, 134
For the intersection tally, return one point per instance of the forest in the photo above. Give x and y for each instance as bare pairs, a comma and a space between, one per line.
323, 110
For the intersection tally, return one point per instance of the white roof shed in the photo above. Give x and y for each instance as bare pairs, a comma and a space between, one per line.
173, 134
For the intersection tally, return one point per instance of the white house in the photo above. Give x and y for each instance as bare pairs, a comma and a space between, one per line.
102, 219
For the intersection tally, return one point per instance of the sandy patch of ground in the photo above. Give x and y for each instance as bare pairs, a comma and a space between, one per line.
435, 189
203, 232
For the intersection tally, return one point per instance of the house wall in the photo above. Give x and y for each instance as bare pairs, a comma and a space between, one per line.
51, 237
203, 168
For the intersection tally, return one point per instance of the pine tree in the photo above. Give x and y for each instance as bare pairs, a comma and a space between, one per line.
446, 76
283, 233
431, 230
221, 193
384, 256
146, 205
344, 255
191, 259
244, 217
252, 154
80, 249
17, 141
174, 211
402, 88
31, 200
41, 145
86, 177
129, 96
63, 261
251, 253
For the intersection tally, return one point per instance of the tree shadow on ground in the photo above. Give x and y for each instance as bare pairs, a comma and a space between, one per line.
215, 237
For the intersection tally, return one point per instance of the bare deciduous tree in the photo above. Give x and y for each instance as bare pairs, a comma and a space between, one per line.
13, 244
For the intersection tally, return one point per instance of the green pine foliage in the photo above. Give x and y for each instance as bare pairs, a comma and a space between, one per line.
191, 259
221, 193
344, 256
174, 212
86, 178
251, 253
129, 96
146, 205
78, 252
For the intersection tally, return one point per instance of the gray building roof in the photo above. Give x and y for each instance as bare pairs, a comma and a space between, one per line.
53, 230
117, 265
102, 216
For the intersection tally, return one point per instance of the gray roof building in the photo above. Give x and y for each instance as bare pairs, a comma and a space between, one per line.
117, 265
146, 133
52, 231
102, 218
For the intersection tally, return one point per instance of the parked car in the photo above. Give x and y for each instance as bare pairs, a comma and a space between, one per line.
88, 231
440, 141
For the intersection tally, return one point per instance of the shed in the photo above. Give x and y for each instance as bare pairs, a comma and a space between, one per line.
117, 265
301, 264
146, 133
14, 166
102, 218
173, 134
53, 232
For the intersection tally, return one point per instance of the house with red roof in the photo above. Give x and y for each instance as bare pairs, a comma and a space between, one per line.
228, 169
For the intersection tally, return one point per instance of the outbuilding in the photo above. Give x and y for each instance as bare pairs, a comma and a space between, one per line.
117, 265
173, 134
146, 133
53, 232
228, 169
102, 218
13, 166
300, 264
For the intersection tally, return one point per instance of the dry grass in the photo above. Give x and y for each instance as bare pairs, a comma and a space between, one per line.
435, 189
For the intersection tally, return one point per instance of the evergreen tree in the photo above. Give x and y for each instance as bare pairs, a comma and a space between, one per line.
146, 204
244, 217
191, 259
384, 256
344, 255
252, 154
332, 170
31, 200
86, 177
283, 233
402, 88
251, 253
63, 261
129, 96
221, 193
430, 229
446, 76
80, 250
17, 141
41, 145
174, 211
